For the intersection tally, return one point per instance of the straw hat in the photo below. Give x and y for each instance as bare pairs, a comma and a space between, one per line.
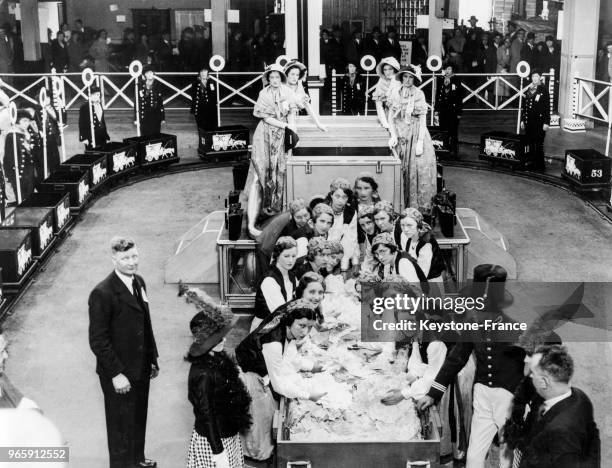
387, 61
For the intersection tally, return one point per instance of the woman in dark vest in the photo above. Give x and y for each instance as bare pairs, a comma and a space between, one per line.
344, 227
365, 235
204, 101
393, 263
384, 216
269, 358
220, 399
414, 236
316, 260
278, 284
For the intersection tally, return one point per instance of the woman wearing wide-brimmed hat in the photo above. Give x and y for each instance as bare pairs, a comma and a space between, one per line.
295, 72
410, 137
386, 70
219, 397
275, 107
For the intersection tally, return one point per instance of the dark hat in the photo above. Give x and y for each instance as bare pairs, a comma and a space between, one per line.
489, 282
530, 35
210, 324
23, 114
473, 18
414, 70
549, 38
147, 68
94, 89
533, 71
295, 64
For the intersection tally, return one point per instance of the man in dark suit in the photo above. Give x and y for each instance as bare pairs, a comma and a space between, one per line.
121, 337
529, 53
92, 109
373, 45
565, 434
391, 46
449, 105
535, 118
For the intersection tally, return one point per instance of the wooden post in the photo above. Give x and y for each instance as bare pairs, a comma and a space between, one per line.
30, 30
218, 34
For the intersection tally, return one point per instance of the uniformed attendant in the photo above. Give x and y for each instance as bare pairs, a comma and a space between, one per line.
204, 101
535, 118
449, 105
51, 129
99, 124
499, 367
25, 160
150, 104
36, 141
353, 91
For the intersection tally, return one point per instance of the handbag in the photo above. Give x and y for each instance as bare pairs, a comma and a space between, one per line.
291, 139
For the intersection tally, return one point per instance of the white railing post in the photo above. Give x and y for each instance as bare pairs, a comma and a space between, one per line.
333, 93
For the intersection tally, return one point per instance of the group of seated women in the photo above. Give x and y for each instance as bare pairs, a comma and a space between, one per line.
324, 246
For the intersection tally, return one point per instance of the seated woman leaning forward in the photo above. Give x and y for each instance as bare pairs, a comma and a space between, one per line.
344, 228
391, 262
413, 235
316, 260
384, 216
278, 285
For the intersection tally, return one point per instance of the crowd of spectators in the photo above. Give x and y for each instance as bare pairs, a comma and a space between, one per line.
468, 49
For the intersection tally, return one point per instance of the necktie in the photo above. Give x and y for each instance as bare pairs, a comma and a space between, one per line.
137, 293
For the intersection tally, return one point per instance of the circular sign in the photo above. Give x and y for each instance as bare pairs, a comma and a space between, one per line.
13, 112
217, 63
434, 63
135, 69
87, 76
43, 99
368, 62
523, 69
282, 60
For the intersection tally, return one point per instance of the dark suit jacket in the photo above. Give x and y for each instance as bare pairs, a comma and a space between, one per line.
85, 126
565, 437
120, 331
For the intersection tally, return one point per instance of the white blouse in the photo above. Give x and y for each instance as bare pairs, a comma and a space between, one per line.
423, 258
283, 369
426, 373
346, 234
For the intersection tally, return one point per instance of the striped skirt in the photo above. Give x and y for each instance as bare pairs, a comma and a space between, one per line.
200, 454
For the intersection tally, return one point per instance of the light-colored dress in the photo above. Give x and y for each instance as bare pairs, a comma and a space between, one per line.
408, 111
300, 97
268, 154
383, 90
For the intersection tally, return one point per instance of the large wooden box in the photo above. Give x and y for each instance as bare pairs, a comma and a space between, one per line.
354, 454
505, 148
154, 150
16, 256
121, 157
58, 202
586, 168
228, 143
352, 145
440, 140
95, 164
39, 221
76, 183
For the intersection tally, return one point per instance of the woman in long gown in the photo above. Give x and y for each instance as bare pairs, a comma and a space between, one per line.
386, 70
275, 107
411, 139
